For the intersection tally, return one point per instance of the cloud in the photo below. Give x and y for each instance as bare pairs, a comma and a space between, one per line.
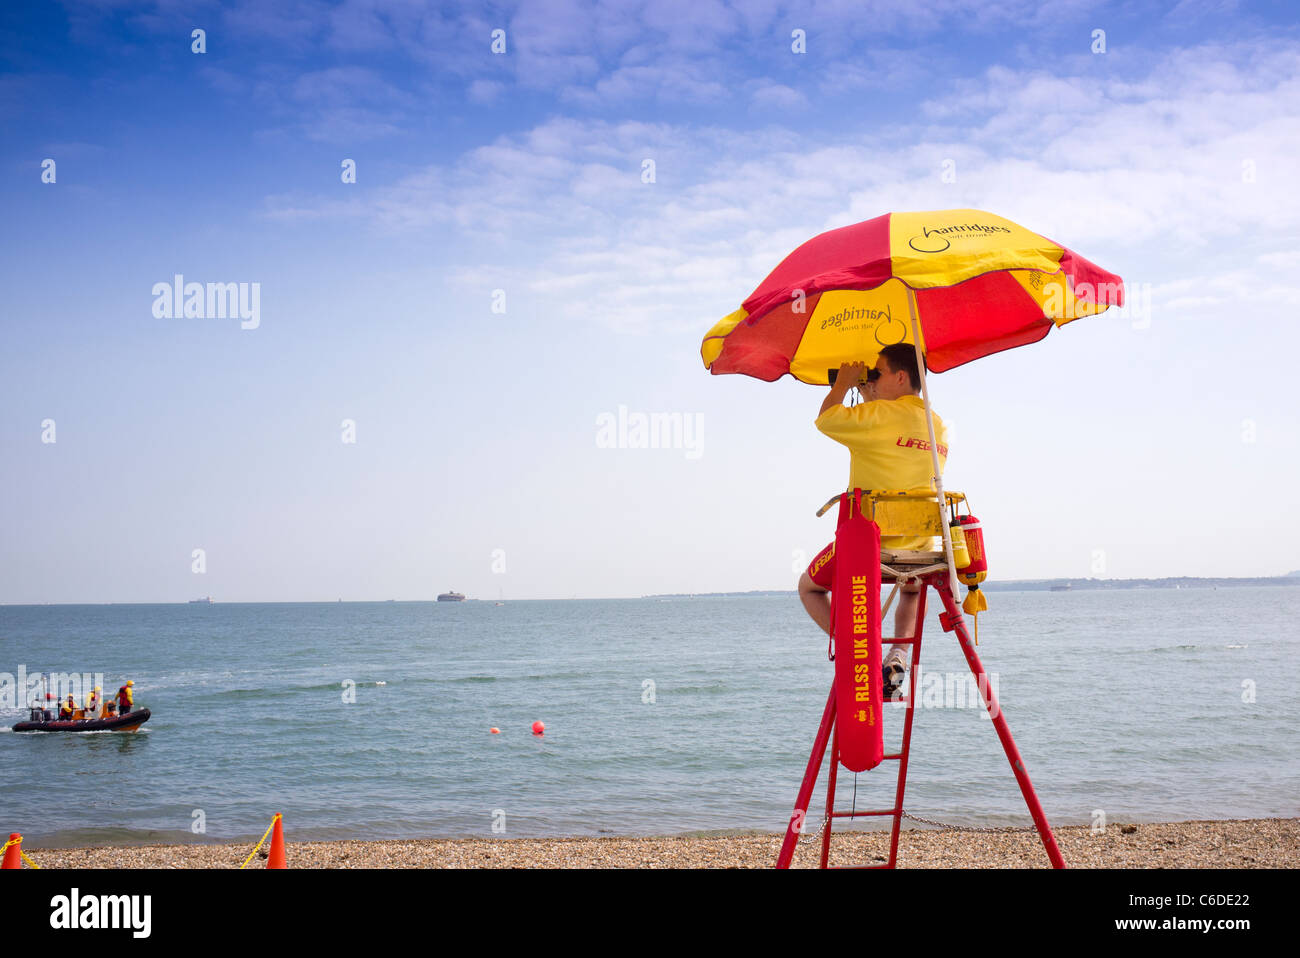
294, 25
1145, 176
776, 96
673, 81
485, 91
349, 104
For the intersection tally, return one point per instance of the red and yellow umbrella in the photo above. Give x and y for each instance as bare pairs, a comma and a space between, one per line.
970, 282
956, 284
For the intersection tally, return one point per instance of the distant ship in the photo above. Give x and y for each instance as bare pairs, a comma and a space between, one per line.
451, 597
1061, 588
206, 600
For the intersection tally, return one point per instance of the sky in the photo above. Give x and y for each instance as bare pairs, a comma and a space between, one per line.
478, 234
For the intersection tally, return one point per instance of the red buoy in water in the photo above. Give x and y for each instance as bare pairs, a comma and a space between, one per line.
538, 728
495, 731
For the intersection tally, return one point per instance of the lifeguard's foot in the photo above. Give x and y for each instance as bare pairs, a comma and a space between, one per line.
893, 670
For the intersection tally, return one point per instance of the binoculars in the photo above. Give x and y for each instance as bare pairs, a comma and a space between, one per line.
869, 375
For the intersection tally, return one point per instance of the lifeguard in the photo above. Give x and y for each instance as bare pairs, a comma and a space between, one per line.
889, 449
125, 701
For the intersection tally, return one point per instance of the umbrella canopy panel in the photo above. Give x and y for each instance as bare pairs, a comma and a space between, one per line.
982, 284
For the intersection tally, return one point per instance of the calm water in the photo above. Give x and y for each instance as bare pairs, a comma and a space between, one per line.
662, 717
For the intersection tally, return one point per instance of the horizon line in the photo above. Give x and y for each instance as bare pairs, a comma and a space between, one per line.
575, 598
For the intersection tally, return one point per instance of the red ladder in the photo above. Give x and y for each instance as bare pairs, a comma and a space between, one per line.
952, 620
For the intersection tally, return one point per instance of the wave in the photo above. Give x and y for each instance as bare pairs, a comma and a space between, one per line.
566, 676
238, 695
245, 694
118, 836
1160, 648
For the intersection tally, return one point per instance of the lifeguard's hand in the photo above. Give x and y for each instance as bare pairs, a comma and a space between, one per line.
848, 375
845, 380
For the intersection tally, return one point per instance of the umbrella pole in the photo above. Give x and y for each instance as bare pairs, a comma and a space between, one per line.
934, 446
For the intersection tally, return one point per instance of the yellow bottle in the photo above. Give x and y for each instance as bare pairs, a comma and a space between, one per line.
960, 554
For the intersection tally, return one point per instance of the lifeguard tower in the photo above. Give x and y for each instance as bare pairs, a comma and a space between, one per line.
851, 723
973, 284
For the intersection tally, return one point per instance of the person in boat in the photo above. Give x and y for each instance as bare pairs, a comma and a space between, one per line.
68, 708
125, 700
889, 449
92, 703
48, 712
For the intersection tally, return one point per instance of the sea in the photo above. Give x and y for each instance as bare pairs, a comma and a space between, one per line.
662, 716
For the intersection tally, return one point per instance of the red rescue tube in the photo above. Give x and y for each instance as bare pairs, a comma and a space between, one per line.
855, 625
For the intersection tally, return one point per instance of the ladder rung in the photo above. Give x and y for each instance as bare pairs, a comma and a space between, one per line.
885, 758
883, 811
908, 640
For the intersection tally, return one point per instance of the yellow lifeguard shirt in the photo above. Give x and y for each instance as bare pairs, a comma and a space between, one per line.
889, 448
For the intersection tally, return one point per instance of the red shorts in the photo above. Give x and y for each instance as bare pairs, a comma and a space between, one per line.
822, 568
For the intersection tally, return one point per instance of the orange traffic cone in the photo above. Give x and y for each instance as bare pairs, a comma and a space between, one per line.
14, 852
276, 857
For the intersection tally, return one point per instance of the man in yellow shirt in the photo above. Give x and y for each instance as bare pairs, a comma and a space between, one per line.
125, 700
890, 449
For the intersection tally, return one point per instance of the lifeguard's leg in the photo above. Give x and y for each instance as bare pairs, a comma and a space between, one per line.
817, 601
904, 624
905, 615
815, 587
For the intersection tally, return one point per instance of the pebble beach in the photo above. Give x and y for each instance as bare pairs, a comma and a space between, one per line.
1241, 844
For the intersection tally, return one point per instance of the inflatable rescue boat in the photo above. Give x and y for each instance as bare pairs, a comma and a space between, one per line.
108, 723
